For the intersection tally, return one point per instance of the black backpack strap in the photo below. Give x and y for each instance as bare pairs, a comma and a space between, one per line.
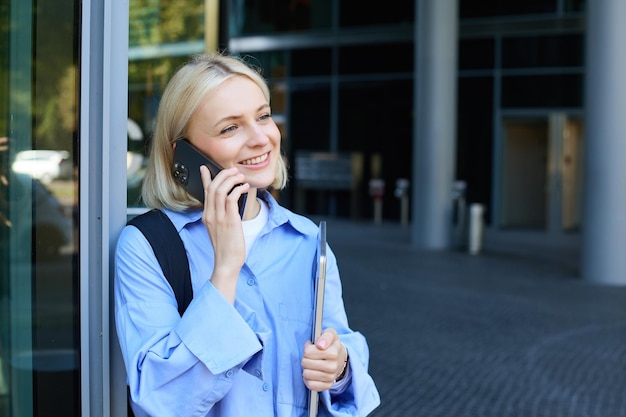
170, 252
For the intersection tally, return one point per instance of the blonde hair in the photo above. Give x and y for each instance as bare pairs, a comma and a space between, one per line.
183, 94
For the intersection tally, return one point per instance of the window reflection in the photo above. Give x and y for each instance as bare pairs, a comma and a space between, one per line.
163, 34
146, 80
39, 340
154, 22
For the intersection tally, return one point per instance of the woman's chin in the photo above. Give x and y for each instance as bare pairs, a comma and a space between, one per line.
261, 182
262, 186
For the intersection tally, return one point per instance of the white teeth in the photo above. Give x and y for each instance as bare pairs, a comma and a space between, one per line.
256, 160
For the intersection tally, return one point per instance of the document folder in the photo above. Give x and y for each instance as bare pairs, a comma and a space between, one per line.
320, 282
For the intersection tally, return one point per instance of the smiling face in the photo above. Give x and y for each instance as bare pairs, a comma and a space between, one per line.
234, 127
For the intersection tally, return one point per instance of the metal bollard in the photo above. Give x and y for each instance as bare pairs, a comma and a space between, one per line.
476, 228
460, 213
377, 190
402, 188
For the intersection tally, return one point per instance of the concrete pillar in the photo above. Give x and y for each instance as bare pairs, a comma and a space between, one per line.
604, 217
434, 133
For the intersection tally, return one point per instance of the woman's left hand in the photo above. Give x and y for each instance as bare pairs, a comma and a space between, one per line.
324, 362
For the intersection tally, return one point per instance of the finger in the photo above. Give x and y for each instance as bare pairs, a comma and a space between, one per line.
234, 197
317, 386
317, 381
207, 180
326, 339
218, 190
312, 351
238, 190
313, 367
227, 177
331, 350
205, 174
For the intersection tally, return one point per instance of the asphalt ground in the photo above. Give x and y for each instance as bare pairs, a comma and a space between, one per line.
513, 331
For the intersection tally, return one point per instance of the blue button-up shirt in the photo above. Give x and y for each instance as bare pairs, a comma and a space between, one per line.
224, 360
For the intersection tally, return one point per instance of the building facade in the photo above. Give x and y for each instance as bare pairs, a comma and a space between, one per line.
349, 93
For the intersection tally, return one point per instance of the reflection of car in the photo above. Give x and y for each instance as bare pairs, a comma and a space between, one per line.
135, 170
43, 165
50, 226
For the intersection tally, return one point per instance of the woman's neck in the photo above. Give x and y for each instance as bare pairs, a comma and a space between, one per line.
252, 205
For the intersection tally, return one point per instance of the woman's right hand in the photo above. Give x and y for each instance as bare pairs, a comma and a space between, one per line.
222, 221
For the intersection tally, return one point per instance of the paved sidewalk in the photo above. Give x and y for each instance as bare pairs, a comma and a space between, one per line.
511, 332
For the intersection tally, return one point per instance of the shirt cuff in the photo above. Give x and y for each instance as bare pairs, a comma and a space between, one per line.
340, 386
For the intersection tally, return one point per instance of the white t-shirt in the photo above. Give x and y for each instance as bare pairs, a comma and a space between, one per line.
252, 227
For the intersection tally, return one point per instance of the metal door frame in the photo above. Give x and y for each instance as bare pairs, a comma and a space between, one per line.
102, 202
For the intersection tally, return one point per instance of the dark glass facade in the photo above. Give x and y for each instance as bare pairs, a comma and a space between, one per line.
367, 79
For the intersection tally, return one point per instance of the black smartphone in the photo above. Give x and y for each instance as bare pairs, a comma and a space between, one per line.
186, 171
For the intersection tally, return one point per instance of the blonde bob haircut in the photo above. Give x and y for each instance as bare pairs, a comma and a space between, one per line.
184, 93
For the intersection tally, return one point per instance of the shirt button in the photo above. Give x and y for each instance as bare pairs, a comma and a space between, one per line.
251, 281
257, 373
266, 386
229, 373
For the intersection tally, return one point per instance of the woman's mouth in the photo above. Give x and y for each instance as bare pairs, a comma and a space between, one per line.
256, 160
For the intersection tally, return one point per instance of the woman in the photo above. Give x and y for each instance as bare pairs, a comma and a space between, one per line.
242, 346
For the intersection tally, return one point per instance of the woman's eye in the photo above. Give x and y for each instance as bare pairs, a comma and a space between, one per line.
265, 116
229, 129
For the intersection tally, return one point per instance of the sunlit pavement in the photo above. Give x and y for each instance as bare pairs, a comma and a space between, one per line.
512, 331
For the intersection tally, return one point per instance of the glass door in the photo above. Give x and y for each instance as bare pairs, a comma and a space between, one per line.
541, 172
38, 262
524, 177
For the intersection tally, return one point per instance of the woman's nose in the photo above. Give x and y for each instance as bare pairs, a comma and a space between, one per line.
258, 136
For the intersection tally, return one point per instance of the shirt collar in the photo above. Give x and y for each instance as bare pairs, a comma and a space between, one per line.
278, 216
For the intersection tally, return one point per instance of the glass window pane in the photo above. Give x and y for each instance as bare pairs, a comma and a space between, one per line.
250, 17
575, 5
271, 63
490, 8
374, 114
307, 62
475, 137
39, 340
376, 121
476, 54
146, 81
563, 90
357, 59
360, 13
163, 34
543, 51
310, 116
154, 22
